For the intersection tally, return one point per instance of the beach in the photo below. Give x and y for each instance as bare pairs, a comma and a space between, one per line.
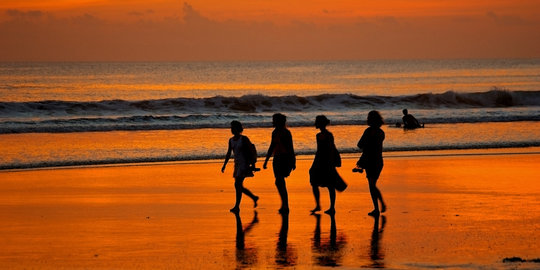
117, 165
451, 209
116, 118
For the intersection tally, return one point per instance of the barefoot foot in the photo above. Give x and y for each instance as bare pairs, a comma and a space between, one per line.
330, 211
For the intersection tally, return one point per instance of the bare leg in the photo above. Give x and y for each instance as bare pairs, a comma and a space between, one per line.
383, 205
282, 189
375, 194
332, 193
251, 195
316, 195
239, 188
379, 197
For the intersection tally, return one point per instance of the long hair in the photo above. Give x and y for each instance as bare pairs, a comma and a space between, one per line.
374, 119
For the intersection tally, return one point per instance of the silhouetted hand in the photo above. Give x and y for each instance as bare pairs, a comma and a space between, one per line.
223, 169
264, 165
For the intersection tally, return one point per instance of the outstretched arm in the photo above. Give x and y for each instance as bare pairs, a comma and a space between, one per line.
227, 157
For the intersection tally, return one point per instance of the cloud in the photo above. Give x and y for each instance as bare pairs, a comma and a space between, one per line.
135, 13
87, 20
506, 20
389, 20
140, 13
194, 36
24, 14
191, 16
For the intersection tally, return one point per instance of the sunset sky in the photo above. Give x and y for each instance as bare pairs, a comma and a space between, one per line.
165, 30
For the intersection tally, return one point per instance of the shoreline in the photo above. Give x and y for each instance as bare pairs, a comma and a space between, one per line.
347, 155
70, 149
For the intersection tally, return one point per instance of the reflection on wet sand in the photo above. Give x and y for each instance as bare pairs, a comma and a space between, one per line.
376, 254
245, 256
285, 253
327, 251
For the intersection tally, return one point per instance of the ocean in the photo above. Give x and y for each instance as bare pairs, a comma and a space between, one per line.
88, 113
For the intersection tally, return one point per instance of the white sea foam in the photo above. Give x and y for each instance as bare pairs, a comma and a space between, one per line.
255, 110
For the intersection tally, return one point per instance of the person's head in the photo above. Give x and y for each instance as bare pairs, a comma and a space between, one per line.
321, 121
279, 120
236, 127
374, 119
405, 112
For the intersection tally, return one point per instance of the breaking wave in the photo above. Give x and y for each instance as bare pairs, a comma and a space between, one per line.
254, 110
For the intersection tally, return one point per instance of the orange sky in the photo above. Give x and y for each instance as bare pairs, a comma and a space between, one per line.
139, 30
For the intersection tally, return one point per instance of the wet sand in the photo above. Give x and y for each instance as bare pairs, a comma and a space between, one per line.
449, 209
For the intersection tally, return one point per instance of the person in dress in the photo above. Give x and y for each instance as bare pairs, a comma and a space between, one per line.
323, 171
242, 169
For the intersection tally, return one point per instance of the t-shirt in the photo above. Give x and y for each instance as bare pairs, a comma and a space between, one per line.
371, 144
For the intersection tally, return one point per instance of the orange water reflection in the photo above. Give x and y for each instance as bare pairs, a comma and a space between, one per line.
328, 251
460, 208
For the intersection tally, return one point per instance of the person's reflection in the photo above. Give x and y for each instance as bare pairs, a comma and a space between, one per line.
376, 254
245, 256
327, 251
285, 254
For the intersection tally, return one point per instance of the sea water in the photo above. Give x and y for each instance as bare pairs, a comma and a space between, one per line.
57, 114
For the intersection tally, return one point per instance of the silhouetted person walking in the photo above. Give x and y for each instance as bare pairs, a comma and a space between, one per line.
281, 147
242, 169
323, 171
409, 121
371, 160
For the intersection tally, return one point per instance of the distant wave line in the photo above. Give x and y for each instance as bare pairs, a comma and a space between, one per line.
263, 103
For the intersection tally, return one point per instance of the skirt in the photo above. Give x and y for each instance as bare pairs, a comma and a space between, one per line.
324, 177
282, 166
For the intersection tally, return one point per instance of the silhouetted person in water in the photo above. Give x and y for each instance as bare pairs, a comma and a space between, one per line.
323, 171
281, 147
371, 160
409, 121
238, 144
244, 256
